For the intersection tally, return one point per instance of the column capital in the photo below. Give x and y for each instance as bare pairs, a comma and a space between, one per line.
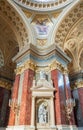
79, 84
5, 84
56, 65
27, 65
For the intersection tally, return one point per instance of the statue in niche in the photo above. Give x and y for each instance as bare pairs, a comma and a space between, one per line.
42, 114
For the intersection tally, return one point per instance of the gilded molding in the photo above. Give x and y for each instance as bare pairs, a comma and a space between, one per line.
56, 14
5, 84
41, 42
27, 65
27, 13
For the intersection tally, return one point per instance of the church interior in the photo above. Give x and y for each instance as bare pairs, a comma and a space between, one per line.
41, 64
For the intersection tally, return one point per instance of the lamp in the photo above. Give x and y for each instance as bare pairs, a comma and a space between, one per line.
14, 105
70, 103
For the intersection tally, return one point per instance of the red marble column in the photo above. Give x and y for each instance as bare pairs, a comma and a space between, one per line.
80, 92
68, 96
14, 96
25, 108
58, 81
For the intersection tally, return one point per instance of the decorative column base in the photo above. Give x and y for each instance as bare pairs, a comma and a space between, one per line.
66, 127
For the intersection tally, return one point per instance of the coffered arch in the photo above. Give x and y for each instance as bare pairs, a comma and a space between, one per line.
68, 20
14, 16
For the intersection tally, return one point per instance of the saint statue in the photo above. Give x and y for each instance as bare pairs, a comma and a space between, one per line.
42, 114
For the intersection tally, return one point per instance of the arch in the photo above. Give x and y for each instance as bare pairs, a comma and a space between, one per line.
16, 19
65, 21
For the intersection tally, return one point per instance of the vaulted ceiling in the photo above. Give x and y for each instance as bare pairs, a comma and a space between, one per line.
18, 28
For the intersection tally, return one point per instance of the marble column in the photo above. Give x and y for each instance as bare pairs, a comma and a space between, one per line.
59, 98
14, 96
25, 106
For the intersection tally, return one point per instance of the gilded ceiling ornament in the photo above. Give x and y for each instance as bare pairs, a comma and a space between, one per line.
27, 13
56, 14
41, 42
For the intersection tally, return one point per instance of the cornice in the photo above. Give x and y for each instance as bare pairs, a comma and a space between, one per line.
39, 55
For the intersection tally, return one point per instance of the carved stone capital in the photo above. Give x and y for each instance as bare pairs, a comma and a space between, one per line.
27, 65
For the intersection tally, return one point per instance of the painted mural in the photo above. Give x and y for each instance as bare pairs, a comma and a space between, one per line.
42, 25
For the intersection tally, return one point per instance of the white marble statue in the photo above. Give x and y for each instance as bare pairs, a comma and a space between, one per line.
42, 114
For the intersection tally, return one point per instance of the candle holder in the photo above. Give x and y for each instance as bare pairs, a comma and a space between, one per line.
70, 103
14, 105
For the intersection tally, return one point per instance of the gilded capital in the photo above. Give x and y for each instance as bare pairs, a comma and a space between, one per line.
5, 84
27, 65
56, 65
79, 84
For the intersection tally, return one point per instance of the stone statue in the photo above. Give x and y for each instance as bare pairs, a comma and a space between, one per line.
42, 74
42, 114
